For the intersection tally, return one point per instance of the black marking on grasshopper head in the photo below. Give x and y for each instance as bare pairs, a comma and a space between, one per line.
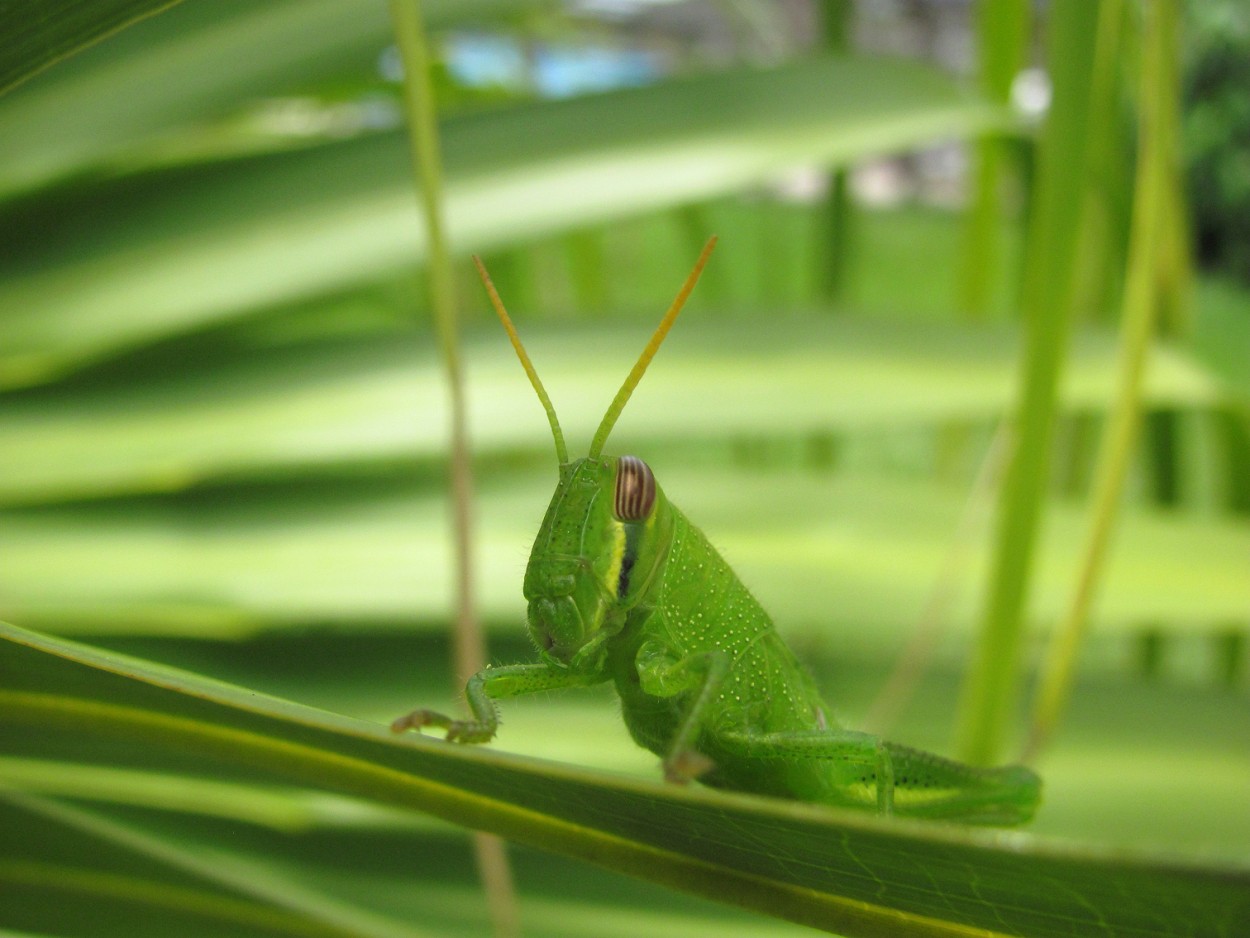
627, 565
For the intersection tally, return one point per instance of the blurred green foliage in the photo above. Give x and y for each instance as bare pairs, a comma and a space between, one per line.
222, 436
1217, 133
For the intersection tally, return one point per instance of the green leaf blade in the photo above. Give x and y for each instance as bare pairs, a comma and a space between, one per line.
831, 869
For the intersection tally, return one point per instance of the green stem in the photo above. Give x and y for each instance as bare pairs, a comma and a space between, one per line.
989, 694
834, 215
1141, 303
470, 647
423, 134
1003, 34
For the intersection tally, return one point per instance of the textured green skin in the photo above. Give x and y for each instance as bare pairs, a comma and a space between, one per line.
704, 679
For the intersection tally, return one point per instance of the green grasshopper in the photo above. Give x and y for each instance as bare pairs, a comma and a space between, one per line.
622, 587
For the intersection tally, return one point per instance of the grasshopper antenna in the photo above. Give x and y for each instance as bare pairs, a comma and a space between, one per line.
561, 453
648, 353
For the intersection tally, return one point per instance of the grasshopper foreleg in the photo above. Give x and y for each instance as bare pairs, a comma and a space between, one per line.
487, 686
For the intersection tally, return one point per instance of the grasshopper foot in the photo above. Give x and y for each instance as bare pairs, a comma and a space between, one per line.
469, 731
458, 731
682, 767
418, 719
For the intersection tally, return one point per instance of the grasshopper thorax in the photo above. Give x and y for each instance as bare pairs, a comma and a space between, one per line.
597, 552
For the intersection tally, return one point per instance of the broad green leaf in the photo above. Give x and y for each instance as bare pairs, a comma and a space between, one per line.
1121, 773
180, 75
352, 401
34, 38
196, 63
853, 873
128, 873
394, 880
850, 554
196, 246
281, 808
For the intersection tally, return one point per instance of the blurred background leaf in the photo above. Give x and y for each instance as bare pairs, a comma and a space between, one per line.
60, 28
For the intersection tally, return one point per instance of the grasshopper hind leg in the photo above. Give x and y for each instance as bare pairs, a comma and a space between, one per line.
802, 748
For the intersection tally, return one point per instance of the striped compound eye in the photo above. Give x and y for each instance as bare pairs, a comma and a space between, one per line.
635, 489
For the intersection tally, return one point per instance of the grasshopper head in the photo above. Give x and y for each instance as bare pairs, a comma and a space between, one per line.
596, 551
595, 555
